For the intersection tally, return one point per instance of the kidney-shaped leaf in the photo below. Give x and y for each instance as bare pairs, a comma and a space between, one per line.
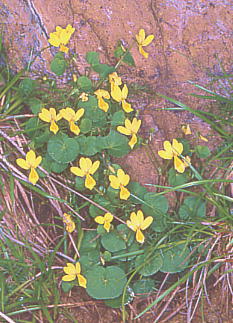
63, 149
174, 259
116, 144
149, 265
105, 283
155, 205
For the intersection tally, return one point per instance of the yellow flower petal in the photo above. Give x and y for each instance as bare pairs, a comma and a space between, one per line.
99, 219
141, 36
70, 227
54, 127
77, 171
177, 146
103, 105
179, 165
94, 167
114, 78
140, 218
70, 269
148, 40
33, 176
147, 222
37, 162
116, 93
45, 115
68, 278
124, 130
78, 268
89, 182
107, 226
126, 106
85, 164
74, 128
124, 92
63, 49
22, 163
31, 157
123, 178
133, 141
136, 125
108, 217
114, 182
124, 193
82, 281
203, 138
139, 236
79, 114
131, 225
141, 51
186, 129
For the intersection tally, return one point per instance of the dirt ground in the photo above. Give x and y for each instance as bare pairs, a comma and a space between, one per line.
191, 39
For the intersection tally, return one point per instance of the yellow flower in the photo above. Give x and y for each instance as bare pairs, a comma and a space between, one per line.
101, 103
71, 116
142, 41
105, 220
61, 37
203, 138
119, 182
31, 162
172, 151
72, 271
121, 96
52, 117
186, 129
114, 79
70, 225
130, 129
138, 223
83, 96
87, 168
74, 78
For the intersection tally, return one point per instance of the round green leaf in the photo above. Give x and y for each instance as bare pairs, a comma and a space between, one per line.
192, 207
155, 204
89, 260
202, 151
58, 66
160, 223
118, 118
84, 83
85, 125
63, 149
80, 183
112, 242
35, 105
138, 190
116, 144
87, 145
89, 242
174, 259
66, 286
149, 265
92, 58
175, 179
143, 287
52, 166
27, 86
105, 283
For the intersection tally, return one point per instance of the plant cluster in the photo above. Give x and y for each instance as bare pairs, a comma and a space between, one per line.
130, 234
